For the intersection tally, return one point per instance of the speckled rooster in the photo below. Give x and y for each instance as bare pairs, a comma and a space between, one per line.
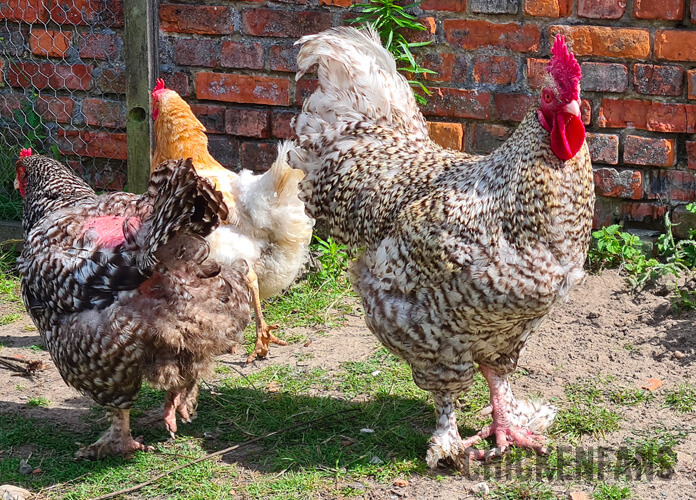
266, 225
461, 257
121, 288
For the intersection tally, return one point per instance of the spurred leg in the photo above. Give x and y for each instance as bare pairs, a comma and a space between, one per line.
264, 335
116, 441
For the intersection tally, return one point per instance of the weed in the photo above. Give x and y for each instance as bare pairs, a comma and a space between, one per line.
6, 319
649, 455
524, 490
682, 399
630, 396
38, 401
389, 20
604, 491
578, 420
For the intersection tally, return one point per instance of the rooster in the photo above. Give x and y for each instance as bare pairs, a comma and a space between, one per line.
459, 257
121, 288
266, 226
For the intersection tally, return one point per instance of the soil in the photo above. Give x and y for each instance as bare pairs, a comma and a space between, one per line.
601, 330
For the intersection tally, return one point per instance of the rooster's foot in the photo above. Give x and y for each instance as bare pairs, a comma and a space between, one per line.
116, 441
264, 339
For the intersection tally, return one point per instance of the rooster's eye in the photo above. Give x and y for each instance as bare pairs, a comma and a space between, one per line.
547, 97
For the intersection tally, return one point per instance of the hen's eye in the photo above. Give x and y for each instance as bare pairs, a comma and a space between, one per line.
547, 97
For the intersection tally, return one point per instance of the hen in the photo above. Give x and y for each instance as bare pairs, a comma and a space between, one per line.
266, 226
460, 257
121, 288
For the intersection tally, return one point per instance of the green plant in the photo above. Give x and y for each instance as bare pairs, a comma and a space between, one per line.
332, 258
389, 20
615, 248
682, 399
605, 491
38, 401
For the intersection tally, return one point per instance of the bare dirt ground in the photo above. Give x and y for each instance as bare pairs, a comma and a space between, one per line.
601, 331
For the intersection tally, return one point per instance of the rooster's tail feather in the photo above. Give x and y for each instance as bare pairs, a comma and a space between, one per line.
358, 81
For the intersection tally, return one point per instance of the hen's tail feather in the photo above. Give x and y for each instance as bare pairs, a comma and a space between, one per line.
358, 81
181, 202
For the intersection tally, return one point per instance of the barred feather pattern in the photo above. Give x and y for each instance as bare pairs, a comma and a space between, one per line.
152, 305
460, 257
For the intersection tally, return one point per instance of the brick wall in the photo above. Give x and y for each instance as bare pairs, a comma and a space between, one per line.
235, 62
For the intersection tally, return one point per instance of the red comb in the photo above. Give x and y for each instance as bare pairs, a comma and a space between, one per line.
160, 85
565, 70
25, 152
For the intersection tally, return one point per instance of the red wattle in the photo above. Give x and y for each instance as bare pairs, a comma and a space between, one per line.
567, 135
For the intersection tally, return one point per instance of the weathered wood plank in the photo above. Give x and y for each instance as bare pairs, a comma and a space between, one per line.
140, 42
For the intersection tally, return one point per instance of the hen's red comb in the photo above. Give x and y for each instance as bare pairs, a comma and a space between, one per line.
565, 70
25, 152
160, 84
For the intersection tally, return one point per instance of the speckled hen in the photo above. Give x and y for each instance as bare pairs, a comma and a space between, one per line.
460, 256
121, 288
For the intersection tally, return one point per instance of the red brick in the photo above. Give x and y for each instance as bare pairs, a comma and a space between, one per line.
446, 5
241, 55
601, 41
486, 137
243, 88
280, 23
258, 156
447, 135
618, 183
461, 68
441, 63
498, 70
621, 113
304, 88
604, 214
55, 109
585, 111
512, 107
601, 9
669, 10
100, 113
548, 8
29, 11
458, 103
645, 212
680, 185
99, 46
112, 80
604, 148
675, 45
473, 34
426, 35
536, 72
201, 52
248, 122
336, 3
93, 144
283, 58
667, 117
178, 82
224, 149
212, 117
9, 103
49, 43
693, 11
691, 154
281, 124
604, 77
87, 12
198, 19
648, 115
58, 76
658, 80
649, 151
691, 81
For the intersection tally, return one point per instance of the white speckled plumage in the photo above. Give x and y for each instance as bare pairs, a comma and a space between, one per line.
461, 256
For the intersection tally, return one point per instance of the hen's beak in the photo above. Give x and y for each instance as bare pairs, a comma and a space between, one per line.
573, 107
16, 183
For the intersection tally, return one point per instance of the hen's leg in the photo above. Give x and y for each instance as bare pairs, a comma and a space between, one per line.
116, 441
445, 443
183, 400
515, 422
264, 335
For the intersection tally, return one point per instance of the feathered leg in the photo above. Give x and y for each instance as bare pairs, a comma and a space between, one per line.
264, 335
116, 441
446, 443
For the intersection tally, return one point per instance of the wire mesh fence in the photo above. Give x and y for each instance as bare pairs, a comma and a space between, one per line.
62, 90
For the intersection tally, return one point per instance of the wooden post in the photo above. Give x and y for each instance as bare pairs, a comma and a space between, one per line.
141, 31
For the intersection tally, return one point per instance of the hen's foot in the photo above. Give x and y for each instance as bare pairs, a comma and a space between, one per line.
183, 401
264, 339
116, 441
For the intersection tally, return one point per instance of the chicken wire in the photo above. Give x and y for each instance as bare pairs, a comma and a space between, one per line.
62, 90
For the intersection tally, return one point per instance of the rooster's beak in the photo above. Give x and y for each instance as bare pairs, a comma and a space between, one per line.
16, 183
573, 108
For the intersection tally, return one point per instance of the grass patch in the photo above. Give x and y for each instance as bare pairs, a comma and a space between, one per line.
526, 490
6, 319
682, 399
630, 396
604, 491
653, 453
39, 402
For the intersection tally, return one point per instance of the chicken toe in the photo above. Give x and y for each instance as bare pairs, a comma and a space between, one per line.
116, 441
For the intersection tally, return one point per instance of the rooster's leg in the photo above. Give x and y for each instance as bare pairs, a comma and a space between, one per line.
264, 335
116, 441
519, 423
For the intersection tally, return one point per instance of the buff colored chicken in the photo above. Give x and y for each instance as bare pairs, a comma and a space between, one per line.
267, 225
460, 257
